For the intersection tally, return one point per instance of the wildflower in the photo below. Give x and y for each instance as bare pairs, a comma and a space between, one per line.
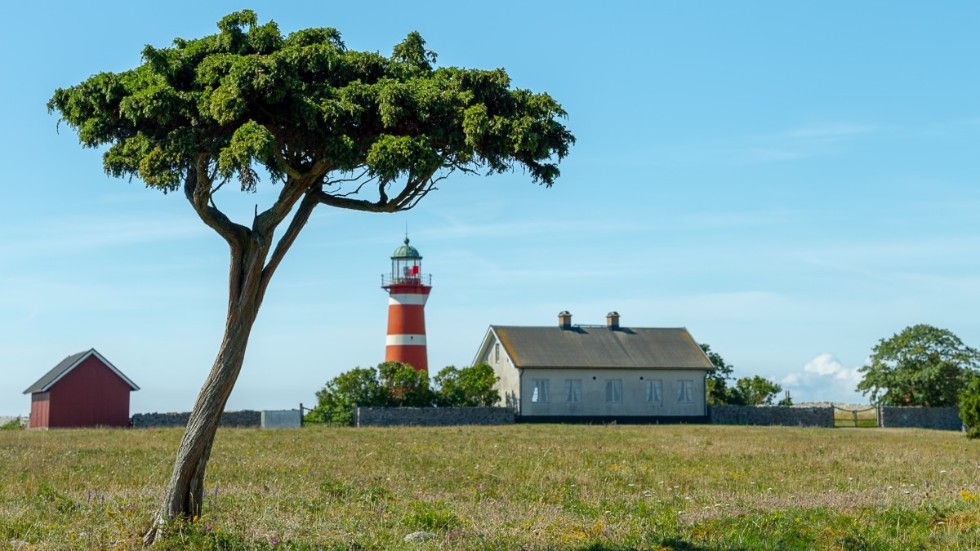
207, 528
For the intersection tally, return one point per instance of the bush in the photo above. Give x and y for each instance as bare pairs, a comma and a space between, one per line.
970, 407
467, 387
13, 424
394, 384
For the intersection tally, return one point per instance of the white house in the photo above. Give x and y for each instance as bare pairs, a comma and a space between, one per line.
601, 373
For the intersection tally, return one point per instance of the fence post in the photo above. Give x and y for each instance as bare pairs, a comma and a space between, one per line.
301, 415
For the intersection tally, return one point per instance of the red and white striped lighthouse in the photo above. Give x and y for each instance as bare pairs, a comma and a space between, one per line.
408, 289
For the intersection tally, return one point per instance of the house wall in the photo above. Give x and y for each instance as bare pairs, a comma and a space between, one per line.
593, 400
89, 395
509, 384
40, 406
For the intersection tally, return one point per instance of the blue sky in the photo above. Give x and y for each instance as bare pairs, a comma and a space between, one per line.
790, 182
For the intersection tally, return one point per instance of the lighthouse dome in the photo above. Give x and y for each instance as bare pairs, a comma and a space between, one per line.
406, 251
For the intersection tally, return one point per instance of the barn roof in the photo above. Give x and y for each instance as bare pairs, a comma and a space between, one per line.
601, 347
67, 365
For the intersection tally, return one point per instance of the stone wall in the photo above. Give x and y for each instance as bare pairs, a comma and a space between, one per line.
921, 418
772, 415
246, 418
432, 417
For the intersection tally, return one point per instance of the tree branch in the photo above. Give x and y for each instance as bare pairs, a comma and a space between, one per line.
302, 216
197, 189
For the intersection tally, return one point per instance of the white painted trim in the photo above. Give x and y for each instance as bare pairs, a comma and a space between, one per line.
402, 299
405, 340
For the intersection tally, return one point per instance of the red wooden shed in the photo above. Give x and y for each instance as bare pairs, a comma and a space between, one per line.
84, 390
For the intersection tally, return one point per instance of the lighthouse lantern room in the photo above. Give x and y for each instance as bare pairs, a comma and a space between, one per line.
408, 290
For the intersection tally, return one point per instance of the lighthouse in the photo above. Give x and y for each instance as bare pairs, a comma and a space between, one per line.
408, 289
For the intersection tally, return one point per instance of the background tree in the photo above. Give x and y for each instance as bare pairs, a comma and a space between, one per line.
330, 126
970, 406
404, 386
468, 387
921, 366
336, 400
756, 391
717, 382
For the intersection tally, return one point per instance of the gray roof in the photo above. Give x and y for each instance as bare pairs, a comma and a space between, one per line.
602, 347
66, 365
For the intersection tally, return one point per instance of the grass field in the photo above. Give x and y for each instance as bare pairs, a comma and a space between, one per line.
508, 487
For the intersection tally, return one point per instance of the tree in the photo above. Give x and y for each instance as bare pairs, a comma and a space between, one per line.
921, 366
404, 386
330, 126
468, 387
336, 401
970, 406
756, 391
717, 382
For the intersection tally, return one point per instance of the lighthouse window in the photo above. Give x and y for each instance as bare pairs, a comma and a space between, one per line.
539, 390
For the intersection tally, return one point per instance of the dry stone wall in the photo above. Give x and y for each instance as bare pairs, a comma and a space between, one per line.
794, 416
244, 418
921, 418
432, 417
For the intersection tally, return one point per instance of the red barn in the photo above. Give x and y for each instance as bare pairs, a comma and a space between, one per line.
84, 390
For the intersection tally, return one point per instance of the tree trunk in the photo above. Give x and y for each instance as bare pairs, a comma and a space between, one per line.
185, 490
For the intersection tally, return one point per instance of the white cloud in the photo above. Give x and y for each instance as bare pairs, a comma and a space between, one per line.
824, 379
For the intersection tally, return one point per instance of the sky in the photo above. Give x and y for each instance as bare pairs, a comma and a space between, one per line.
791, 182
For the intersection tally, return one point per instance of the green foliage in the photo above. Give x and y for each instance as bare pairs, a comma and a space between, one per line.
394, 384
970, 406
756, 391
336, 401
747, 391
251, 97
921, 366
468, 387
431, 516
717, 382
787, 400
403, 386
13, 424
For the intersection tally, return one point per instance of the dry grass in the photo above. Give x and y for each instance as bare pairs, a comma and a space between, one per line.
521, 486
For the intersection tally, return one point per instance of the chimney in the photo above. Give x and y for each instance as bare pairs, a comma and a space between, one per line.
612, 320
564, 320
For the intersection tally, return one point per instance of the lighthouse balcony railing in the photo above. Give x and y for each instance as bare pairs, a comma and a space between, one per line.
410, 279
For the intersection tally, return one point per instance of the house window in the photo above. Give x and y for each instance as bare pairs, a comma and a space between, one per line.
539, 390
614, 391
655, 391
496, 352
573, 390
685, 392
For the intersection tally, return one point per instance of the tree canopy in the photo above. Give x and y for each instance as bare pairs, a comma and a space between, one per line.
920, 366
747, 391
303, 107
717, 381
329, 125
395, 384
970, 406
